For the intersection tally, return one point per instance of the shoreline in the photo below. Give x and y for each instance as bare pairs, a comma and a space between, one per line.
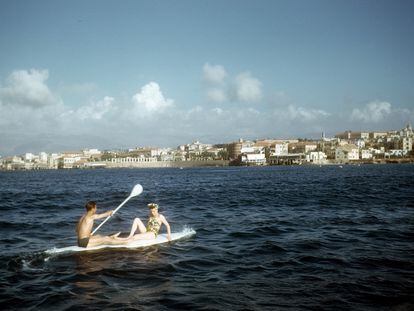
210, 163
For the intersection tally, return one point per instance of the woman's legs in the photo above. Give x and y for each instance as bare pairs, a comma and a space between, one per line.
96, 240
142, 235
137, 224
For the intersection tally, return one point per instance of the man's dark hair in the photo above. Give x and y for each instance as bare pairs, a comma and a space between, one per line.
90, 205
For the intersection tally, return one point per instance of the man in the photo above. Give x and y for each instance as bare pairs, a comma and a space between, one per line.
85, 225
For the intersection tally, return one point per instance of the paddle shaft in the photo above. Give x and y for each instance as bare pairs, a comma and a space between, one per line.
100, 225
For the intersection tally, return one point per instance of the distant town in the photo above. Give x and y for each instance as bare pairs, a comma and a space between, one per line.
344, 148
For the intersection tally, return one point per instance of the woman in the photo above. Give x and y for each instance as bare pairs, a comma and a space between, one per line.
153, 226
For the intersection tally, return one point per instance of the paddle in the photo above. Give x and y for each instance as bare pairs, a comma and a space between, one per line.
137, 190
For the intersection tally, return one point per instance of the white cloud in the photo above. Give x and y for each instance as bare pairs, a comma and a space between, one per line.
27, 88
96, 110
214, 74
218, 111
301, 114
243, 88
150, 100
248, 88
374, 112
216, 95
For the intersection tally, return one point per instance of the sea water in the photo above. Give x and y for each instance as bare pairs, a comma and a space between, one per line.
268, 238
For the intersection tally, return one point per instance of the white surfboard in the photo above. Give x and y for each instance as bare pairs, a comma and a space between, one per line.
161, 238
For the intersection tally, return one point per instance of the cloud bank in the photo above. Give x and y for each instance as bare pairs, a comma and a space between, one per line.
373, 112
35, 118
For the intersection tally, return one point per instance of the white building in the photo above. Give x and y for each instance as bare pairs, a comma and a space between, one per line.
281, 149
316, 157
375, 135
366, 154
347, 153
155, 152
396, 153
91, 152
68, 162
43, 157
29, 157
133, 160
247, 149
360, 143
407, 144
53, 161
407, 131
253, 159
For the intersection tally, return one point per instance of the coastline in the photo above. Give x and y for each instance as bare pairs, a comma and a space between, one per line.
211, 163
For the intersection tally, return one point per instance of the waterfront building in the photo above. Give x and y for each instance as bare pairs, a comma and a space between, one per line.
377, 153
43, 157
133, 160
396, 153
407, 144
248, 149
195, 150
253, 159
234, 149
91, 153
180, 155
347, 153
68, 162
375, 135
28, 157
280, 149
287, 159
316, 157
303, 147
366, 154
214, 152
407, 131
13, 163
360, 143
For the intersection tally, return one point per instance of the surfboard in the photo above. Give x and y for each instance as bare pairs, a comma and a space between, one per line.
160, 239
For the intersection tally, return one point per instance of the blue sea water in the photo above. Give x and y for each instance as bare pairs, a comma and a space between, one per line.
268, 238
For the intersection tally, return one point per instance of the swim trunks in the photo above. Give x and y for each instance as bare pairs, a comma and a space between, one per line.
83, 242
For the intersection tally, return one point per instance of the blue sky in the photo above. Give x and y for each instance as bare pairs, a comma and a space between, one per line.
116, 74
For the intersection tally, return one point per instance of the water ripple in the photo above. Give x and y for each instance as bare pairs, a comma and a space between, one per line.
273, 238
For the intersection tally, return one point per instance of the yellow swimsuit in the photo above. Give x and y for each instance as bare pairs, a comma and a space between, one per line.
153, 225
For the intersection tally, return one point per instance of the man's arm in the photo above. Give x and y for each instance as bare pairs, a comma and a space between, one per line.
165, 222
103, 215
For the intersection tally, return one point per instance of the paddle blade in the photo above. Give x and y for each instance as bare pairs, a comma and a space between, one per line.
137, 190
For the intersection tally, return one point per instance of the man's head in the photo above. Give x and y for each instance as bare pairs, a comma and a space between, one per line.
90, 206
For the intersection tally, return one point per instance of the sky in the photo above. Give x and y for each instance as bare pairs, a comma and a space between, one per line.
123, 74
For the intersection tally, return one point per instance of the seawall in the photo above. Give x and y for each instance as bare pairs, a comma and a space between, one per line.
159, 164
